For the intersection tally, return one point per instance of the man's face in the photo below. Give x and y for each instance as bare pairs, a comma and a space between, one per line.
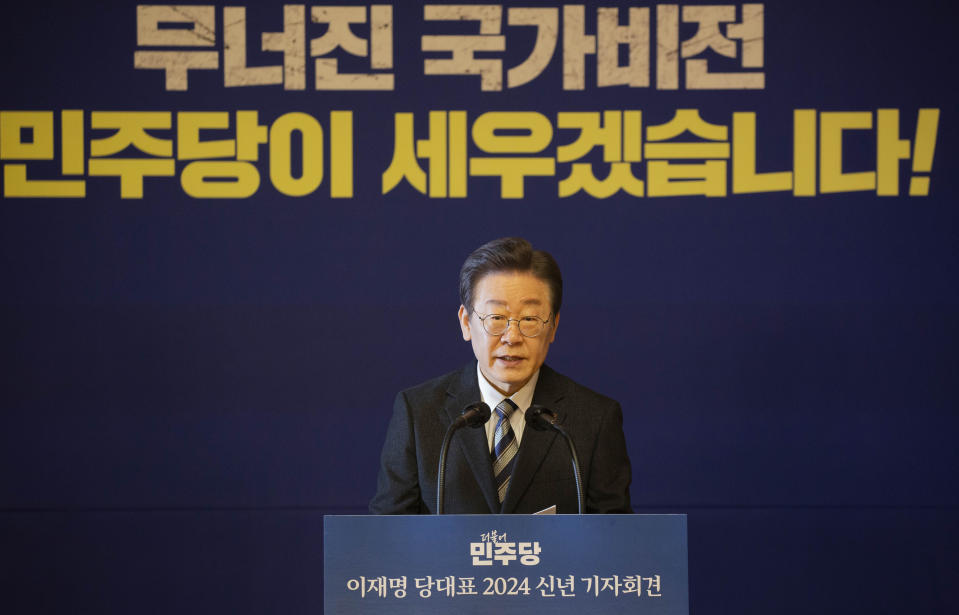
509, 360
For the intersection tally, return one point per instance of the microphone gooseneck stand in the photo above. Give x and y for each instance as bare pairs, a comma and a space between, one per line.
474, 415
542, 419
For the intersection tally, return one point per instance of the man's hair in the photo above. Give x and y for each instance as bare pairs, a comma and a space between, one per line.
510, 254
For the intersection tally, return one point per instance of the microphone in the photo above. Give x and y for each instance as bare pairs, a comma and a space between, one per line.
474, 415
544, 419
540, 418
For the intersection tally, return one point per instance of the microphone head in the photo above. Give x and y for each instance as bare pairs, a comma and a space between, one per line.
476, 414
540, 418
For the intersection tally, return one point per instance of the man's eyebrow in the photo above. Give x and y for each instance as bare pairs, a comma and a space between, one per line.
530, 301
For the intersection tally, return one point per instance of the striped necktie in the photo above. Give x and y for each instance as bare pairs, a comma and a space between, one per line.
504, 447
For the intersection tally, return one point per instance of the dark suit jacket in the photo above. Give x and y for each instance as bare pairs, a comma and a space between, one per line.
542, 475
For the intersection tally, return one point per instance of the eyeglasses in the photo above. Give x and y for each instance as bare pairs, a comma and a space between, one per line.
529, 326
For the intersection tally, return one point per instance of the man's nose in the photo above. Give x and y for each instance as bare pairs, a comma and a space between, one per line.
512, 334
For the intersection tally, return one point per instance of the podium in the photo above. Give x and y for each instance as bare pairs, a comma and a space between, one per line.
505, 564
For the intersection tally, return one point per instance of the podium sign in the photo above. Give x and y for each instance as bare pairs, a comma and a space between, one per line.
506, 564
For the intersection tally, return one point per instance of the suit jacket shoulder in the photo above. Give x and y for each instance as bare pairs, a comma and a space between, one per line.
408, 465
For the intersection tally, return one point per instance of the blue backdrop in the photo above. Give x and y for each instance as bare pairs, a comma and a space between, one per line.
191, 383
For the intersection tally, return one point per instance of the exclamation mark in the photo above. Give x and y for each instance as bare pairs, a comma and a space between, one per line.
923, 150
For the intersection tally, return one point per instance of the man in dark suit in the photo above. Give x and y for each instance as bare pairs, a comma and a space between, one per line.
511, 297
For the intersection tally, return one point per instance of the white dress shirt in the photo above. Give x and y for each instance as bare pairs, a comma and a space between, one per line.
523, 399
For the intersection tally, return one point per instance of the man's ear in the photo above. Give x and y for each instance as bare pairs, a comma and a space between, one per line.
552, 335
465, 323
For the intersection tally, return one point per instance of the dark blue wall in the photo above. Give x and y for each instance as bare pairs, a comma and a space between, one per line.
189, 385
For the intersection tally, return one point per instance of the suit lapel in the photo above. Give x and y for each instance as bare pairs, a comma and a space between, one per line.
535, 444
472, 442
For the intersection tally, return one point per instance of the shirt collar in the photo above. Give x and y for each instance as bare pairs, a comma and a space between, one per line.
523, 398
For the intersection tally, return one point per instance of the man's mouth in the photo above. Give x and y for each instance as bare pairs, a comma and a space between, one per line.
509, 359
